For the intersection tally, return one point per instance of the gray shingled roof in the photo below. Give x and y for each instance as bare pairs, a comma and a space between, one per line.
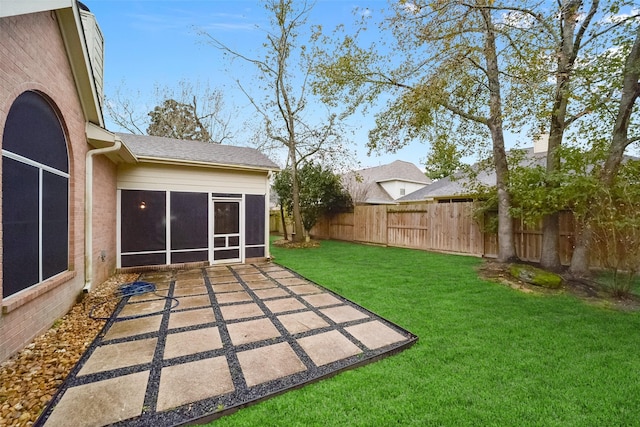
397, 170
456, 185
195, 151
367, 181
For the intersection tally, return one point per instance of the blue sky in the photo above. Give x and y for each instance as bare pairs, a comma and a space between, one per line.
156, 42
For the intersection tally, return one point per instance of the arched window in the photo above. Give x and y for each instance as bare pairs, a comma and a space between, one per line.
35, 195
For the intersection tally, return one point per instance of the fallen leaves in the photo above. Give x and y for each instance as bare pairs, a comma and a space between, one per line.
29, 379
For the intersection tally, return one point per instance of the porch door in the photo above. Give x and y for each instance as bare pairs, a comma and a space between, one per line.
226, 231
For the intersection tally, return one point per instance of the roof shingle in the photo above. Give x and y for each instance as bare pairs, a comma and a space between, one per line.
144, 146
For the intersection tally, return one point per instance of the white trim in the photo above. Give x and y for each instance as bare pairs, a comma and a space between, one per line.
40, 212
22, 7
167, 227
27, 161
118, 228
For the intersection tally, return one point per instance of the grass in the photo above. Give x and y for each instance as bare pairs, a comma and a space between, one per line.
487, 354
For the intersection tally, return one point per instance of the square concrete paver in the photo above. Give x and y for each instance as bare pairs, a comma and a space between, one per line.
261, 284
241, 311
269, 363
305, 321
158, 294
189, 281
343, 313
375, 334
142, 308
114, 356
271, 293
190, 290
284, 304
193, 301
281, 274
328, 347
227, 287
305, 289
102, 402
321, 300
230, 297
252, 331
252, 277
180, 319
193, 381
129, 328
192, 342
292, 281
215, 280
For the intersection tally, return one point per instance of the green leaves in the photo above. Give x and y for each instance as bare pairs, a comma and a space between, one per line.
321, 192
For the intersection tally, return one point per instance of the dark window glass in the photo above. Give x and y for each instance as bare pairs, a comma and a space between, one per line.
20, 218
55, 227
227, 254
189, 220
35, 204
194, 256
143, 259
226, 217
33, 131
143, 222
254, 252
254, 219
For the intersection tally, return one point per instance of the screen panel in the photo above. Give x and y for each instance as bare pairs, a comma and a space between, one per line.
189, 220
254, 219
143, 220
55, 225
20, 223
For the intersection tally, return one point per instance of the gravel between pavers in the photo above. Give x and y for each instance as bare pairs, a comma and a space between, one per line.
30, 378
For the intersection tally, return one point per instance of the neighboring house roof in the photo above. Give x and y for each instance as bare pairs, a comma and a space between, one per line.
457, 186
168, 150
365, 185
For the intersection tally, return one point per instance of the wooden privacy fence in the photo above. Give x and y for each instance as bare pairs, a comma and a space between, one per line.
446, 227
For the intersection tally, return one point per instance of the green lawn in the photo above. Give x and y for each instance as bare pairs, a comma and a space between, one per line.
487, 354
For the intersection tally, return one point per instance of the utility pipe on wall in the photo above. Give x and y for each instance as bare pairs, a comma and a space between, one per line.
88, 209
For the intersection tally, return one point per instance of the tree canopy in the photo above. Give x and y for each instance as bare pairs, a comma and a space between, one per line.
321, 192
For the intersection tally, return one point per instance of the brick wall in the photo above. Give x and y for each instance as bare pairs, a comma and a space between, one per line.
104, 218
33, 57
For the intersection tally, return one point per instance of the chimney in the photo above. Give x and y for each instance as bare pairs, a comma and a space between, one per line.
95, 46
541, 143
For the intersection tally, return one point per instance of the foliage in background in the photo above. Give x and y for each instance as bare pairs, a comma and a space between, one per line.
321, 192
615, 221
190, 111
173, 119
443, 158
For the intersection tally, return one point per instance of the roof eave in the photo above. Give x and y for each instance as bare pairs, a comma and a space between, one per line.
99, 137
22, 7
403, 180
179, 162
70, 25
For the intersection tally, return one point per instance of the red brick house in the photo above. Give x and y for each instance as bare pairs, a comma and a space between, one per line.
69, 185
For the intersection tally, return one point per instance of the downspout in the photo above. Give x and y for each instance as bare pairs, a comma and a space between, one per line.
88, 209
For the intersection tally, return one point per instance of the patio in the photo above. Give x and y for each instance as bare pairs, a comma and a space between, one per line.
210, 341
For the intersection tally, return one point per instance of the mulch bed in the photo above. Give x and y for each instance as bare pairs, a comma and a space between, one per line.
29, 379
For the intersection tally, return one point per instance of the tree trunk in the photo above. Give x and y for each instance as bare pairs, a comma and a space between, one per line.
284, 222
619, 142
298, 229
506, 243
580, 259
